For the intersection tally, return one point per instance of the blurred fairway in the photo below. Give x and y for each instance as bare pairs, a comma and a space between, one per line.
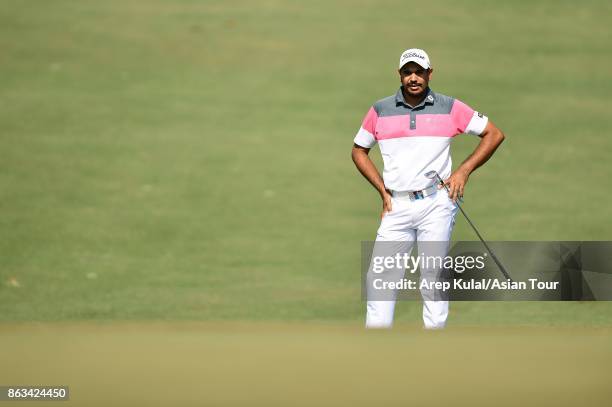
264, 364
189, 160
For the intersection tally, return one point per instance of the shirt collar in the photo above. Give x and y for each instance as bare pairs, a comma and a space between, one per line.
429, 99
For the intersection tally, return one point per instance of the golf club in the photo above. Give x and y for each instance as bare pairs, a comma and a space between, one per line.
436, 176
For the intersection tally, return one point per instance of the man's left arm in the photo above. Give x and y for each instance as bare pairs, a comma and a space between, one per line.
491, 138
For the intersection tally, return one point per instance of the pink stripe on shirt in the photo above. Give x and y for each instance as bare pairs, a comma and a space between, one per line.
369, 121
461, 114
427, 125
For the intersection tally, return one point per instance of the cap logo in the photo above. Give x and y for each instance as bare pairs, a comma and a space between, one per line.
412, 54
416, 55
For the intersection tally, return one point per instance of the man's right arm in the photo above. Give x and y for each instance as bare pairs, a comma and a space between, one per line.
367, 168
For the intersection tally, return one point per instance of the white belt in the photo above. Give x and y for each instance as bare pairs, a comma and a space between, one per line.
414, 195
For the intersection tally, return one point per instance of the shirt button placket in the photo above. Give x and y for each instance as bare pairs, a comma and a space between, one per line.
412, 120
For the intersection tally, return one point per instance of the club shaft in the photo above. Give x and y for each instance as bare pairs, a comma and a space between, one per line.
495, 259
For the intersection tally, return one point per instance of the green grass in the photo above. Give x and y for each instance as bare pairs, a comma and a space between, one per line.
190, 160
264, 364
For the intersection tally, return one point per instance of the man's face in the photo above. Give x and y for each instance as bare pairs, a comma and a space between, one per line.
415, 78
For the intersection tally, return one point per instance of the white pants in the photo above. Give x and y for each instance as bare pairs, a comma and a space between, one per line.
425, 220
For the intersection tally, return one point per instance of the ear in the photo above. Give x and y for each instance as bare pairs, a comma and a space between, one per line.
430, 73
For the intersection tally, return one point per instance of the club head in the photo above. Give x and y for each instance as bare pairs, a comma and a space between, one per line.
431, 174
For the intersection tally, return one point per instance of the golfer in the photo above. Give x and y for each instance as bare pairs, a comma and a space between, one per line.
414, 129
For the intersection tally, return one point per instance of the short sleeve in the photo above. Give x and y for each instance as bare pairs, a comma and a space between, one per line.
467, 119
365, 136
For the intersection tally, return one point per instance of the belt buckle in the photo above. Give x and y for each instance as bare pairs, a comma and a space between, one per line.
416, 195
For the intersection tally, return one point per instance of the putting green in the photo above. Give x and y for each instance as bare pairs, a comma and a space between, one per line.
231, 364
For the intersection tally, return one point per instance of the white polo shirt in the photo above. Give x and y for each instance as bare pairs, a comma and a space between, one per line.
415, 140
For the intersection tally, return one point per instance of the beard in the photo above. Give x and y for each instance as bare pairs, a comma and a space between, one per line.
420, 92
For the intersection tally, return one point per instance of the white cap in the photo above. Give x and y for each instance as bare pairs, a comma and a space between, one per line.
415, 55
